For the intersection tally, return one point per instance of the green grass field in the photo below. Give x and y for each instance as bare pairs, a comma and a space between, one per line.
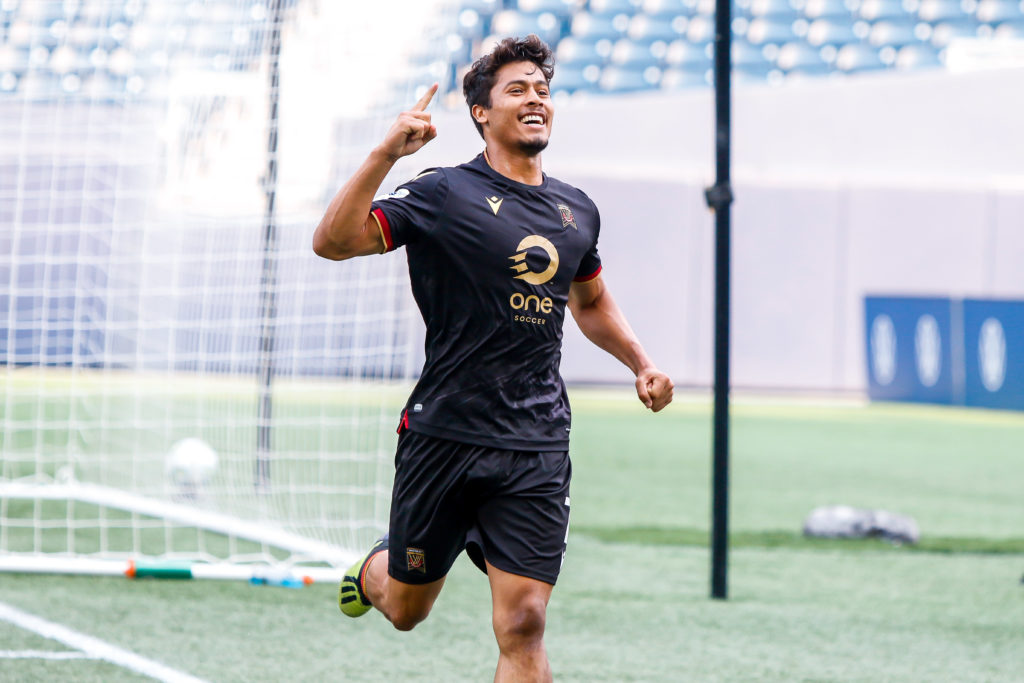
632, 603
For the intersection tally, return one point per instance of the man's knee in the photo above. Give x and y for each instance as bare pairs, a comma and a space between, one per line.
521, 623
406, 617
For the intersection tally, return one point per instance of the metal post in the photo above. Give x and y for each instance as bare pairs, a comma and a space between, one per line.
719, 198
268, 279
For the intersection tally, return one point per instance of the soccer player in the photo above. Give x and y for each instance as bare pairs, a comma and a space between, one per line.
496, 250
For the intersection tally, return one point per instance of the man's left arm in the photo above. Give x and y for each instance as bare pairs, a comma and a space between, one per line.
602, 322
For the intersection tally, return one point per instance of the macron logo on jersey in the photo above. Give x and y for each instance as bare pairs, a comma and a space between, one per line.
495, 203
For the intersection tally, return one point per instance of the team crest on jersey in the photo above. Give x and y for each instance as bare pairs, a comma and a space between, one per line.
567, 217
416, 560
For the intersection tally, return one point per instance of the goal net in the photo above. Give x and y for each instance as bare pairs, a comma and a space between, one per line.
181, 379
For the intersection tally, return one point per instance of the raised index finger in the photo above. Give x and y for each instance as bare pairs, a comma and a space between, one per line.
425, 100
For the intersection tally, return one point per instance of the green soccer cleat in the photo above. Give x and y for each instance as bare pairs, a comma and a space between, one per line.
352, 600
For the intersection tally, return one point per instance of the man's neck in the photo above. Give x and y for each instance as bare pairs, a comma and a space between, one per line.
518, 167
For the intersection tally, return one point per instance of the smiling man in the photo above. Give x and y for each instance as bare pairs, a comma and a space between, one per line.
497, 250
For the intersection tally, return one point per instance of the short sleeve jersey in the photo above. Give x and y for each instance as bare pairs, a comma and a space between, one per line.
491, 261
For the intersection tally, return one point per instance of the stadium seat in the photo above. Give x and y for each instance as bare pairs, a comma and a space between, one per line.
773, 9
801, 58
857, 57
633, 55
934, 11
669, 8
700, 30
592, 27
577, 53
996, 11
768, 31
512, 23
829, 32
13, 60
677, 79
827, 9
560, 8
576, 78
749, 60
894, 34
686, 56
946, 32
917, 57
616, 79
1010, 29
645, 29
882, 10
470, 24
610, 8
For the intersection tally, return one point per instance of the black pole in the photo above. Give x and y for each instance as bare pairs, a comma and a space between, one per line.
268, 279
719, 198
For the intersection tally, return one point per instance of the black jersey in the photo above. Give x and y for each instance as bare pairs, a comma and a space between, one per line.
491, 261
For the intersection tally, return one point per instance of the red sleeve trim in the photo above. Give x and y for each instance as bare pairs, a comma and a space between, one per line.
588, 278
385, 229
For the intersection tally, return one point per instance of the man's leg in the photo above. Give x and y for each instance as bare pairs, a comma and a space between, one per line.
520, 607
403, 604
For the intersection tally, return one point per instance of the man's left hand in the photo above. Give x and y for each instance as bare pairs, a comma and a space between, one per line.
654, 388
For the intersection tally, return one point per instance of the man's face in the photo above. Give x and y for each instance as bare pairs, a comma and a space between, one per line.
521, 110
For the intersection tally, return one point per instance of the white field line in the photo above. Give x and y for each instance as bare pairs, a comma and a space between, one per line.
42, 654
93, 647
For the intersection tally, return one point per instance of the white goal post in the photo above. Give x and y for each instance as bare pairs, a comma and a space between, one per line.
137, 345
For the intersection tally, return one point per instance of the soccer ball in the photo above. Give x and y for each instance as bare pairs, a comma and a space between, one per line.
190, 465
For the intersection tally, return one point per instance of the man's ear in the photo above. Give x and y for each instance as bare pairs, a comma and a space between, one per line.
479, 114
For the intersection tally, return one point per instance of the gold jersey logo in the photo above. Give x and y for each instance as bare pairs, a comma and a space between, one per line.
495, 203
523, 270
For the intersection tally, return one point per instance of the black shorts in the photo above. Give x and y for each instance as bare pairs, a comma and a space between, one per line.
508, 507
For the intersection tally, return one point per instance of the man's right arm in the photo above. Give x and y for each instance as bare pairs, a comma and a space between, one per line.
347, 228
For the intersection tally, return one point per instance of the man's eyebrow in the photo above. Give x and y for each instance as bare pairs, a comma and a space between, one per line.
523, 81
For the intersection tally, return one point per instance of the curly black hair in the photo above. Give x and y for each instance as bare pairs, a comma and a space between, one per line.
479, 80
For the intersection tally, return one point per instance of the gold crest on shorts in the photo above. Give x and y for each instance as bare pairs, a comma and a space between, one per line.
415, 560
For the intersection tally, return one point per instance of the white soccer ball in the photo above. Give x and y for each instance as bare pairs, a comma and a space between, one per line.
190, 465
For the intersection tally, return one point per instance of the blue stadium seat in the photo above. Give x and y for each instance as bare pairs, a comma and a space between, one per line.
669, 8
576, 78
882, 10
857, 57
645, 29
947, 31
894, 34
470, 24
917, 57
830, 32
512, 23
617, 79
934, 11
633, 55
700, 30
801, 58
749, 60
8, 82
578, 53
827, 9
484, 8
686, 56
768, 31
677, 79
560, 8
610, 8
773, 9
996, 11
591, 27
1010, 29
13, 60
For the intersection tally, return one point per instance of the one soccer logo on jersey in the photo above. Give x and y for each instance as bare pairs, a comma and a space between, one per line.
567, 217
519, 260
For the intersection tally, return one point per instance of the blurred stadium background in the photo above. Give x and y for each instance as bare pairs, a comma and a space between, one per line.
163, 165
